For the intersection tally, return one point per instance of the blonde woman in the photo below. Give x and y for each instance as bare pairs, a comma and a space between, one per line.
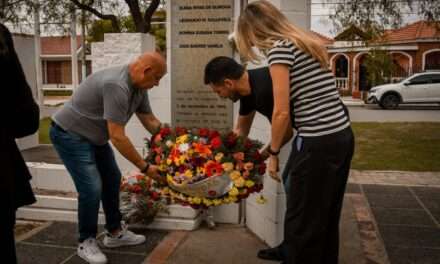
304, 95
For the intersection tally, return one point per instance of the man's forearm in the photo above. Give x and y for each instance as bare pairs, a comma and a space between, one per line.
287, 136
126, 148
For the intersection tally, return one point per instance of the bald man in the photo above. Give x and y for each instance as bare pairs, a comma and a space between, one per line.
98, 112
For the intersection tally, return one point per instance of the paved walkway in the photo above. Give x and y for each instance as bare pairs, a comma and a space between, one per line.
388, 217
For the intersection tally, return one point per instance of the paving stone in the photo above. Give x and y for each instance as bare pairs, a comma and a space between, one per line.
30, 254
430, 202
58, 233
407, 236
436, 214
386, 216
353, 188
113, 258
66, 234
427, 191
393, 201
153, 238
385, 189
403, 255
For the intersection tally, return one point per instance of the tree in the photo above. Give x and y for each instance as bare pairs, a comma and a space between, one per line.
57, 11
380, 66
376, 15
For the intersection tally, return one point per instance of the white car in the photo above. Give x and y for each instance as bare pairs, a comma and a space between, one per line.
418, 88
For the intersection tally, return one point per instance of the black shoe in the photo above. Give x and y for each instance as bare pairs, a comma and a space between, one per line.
271, 254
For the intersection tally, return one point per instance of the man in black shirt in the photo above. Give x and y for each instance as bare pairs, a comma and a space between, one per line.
253, 88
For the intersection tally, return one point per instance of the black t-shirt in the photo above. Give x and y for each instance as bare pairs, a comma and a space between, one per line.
261, 97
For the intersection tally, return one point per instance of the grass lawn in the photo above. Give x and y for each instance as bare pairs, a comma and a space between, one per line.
397, 146
379, 146
44, 131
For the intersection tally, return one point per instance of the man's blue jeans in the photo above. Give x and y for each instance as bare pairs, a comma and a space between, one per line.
96, 176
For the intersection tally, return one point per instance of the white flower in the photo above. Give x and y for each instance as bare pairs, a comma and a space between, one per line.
183, 147
169, 143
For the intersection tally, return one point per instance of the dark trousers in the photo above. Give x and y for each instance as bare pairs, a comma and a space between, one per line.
317, 178
7, 239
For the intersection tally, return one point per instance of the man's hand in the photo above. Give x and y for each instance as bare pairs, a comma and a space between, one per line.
273, 168
153, 172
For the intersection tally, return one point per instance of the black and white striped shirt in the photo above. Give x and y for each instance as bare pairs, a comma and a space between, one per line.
316, 108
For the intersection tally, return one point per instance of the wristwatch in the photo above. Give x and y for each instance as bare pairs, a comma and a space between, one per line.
144, 170
273, 153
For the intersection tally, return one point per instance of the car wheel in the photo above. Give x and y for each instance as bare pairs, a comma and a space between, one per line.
390, 101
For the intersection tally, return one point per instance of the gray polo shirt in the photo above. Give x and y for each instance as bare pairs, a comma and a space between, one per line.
105, 95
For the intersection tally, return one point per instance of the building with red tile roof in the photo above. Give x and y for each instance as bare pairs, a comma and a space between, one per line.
414, 48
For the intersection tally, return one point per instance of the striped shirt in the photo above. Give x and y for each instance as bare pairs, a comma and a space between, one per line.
315, 106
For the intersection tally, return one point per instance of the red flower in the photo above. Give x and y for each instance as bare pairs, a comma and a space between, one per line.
257, 156
165, 131
262, 169
216, 142
248, 144
231, 140
136, 189
203, 132
157, 159
154, 196
214, 134
212, 193
180, 131
213, 169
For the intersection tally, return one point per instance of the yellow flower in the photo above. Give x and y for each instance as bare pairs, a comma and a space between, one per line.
261, 199
217, 202
163, 167
249, 183
219, 156
207, 202
234, 192
228, 166
234, 199
182, 139
182, 159
169, 161
235, 175
196, 200
201, 171
188, 173
239, 182
165, 190
170, 179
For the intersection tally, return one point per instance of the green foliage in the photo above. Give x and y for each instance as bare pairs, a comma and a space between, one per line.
97, 30
380, 66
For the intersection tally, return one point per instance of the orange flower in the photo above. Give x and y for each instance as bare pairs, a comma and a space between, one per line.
202, 149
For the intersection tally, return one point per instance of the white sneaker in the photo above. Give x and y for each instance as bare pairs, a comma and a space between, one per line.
124, 238
90, 252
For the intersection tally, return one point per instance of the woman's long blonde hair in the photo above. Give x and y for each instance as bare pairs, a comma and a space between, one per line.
261, 24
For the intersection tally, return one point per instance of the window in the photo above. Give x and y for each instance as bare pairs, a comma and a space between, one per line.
435, 78
422, 79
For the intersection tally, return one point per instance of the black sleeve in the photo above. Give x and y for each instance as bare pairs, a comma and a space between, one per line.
247, 105
23, 113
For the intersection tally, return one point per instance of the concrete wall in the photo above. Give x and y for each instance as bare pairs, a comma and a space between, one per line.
25, 48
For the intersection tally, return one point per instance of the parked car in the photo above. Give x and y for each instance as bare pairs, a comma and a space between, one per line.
418, 88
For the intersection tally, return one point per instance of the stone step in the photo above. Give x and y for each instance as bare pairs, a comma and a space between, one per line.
58, 208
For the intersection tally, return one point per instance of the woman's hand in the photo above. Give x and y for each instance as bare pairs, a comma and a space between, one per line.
273, 168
